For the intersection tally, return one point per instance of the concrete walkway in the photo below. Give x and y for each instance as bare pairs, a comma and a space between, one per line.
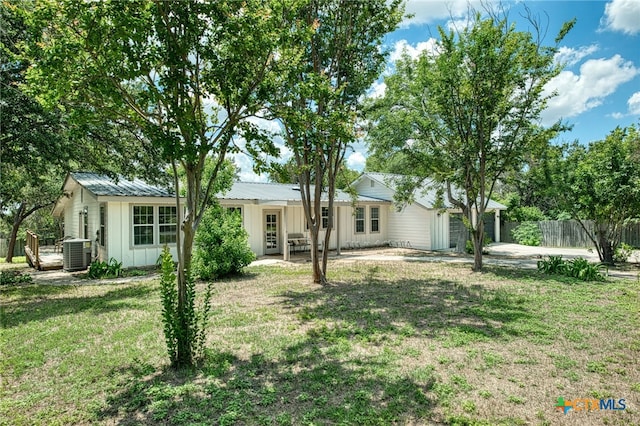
500, 254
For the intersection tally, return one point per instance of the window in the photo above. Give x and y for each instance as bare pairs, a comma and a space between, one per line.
103, 225
142, 225
325, 217
359, 220
375, 219
167, 224
237, 210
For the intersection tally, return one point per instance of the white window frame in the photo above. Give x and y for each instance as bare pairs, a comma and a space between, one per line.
372, 219
173, 225
156, 225
363, 220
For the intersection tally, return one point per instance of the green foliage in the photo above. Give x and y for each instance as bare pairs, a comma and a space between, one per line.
622, 253
601, 184
100, 269
469, 245
221, 245
552, 265
578, 268
187, 325
14, 277
469, 106
527, 234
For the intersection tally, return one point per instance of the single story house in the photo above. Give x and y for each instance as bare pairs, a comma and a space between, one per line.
424, 224
128, 220
131, 221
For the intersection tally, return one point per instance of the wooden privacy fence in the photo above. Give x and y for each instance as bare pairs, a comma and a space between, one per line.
568, 233
18, 250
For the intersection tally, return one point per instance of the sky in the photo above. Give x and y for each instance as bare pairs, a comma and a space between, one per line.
598, 89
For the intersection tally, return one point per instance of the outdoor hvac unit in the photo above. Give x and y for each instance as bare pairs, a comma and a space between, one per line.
76, 254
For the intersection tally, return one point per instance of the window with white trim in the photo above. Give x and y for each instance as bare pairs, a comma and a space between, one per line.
167, 224
143, 225
360, 220
325, 217
374, 214
103, 225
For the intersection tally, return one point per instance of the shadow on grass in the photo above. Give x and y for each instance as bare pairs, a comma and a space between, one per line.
305, 386
40, 302
457, 312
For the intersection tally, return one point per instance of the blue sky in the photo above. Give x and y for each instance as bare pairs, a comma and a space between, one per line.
598, 89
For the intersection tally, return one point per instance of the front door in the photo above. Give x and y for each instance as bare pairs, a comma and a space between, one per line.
271, 232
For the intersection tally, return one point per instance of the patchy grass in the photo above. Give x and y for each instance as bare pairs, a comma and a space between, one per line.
400, 342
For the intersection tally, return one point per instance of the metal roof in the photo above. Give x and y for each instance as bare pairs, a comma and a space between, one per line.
425, 196
103, 185
260, 191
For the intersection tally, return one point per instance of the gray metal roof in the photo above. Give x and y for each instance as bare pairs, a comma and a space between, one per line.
425, 196
260, 191
103, 185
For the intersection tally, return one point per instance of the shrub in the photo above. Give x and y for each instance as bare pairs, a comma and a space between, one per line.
100, 269
221, 245
552, 265
485, 242
14, 277
577, 268
527, 234
187, 324
622, 253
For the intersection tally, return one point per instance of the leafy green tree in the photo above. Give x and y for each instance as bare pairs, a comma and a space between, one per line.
39, 146
602, 184
222, 244
318, 101
465, 113
288, 173
185, 76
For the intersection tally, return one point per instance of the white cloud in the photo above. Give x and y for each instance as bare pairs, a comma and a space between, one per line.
634, 104
356, 161
622, 15
377, 89
577, 93
570, 56
401, 47
429, 11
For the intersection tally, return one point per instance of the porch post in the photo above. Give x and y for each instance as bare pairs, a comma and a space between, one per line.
338, 231
496, 230
285, 232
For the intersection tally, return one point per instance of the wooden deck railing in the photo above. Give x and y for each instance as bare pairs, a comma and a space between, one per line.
33, 246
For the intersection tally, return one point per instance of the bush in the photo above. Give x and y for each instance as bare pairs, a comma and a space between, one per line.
577, 268
622, 253
100, 269
14, 277
221, 245
527, 234
485, 242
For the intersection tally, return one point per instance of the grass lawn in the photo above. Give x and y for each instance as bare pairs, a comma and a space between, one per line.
398, 342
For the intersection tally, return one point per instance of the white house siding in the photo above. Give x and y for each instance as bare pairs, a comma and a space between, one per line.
375, 190
410, 225
118, 237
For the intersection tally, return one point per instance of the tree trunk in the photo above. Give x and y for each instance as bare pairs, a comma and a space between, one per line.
17, 221
184, 357
478, 241
605, 251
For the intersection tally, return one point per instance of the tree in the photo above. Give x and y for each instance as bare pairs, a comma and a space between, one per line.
39, 146
183, 75
602, 183
466, 112
318, 100
288, 173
